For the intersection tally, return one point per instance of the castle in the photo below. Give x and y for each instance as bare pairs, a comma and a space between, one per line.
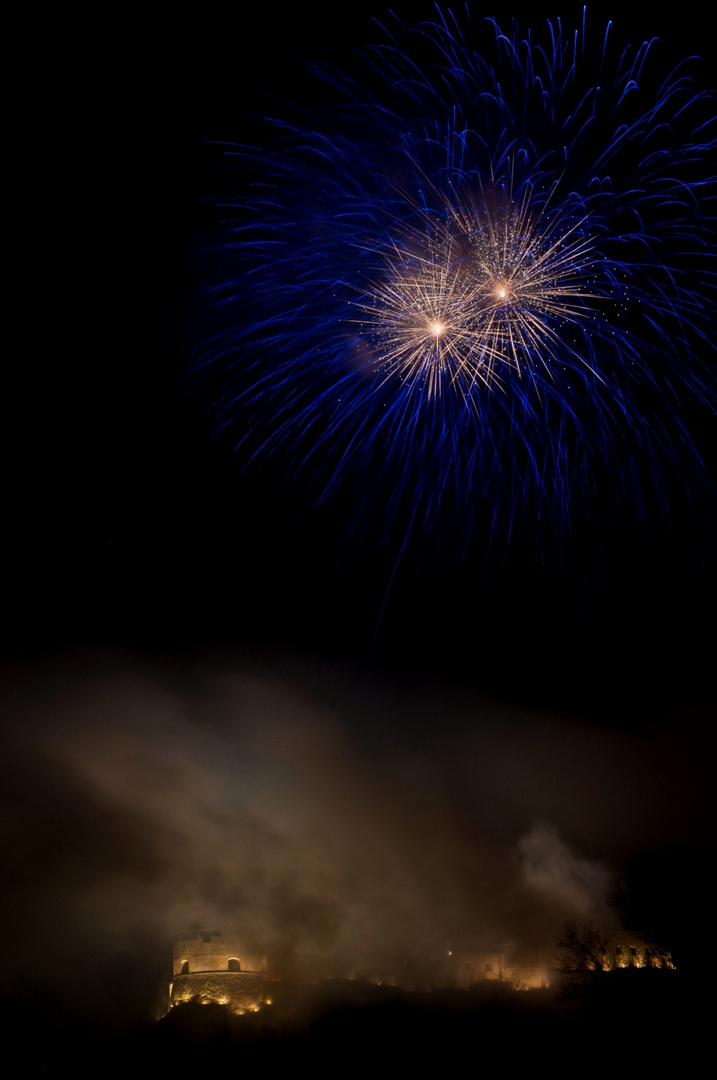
210, 968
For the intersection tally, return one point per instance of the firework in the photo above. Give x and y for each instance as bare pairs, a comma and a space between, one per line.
482, 290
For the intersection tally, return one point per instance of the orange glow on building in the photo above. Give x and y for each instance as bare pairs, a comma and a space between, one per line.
210, 968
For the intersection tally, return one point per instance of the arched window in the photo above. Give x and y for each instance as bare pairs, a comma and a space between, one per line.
185, 968
234, 965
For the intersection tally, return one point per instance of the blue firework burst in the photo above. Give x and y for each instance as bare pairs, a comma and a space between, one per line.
477, 292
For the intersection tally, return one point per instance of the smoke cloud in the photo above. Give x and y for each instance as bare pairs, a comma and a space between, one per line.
562, 878
348, 829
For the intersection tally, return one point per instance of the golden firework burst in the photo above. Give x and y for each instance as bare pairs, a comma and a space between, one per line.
485, 289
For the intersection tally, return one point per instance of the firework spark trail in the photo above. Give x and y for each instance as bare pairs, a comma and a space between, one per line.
494, 279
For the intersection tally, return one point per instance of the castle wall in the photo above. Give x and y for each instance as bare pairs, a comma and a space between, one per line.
209, 967
240, 991
630, 949
210, 950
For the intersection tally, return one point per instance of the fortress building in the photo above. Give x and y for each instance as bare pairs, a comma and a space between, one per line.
630, 949
209, 967
212, 968
521, 967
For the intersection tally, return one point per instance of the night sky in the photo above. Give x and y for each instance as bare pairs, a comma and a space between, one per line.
224, 705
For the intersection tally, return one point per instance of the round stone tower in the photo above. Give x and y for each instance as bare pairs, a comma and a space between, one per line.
209, 967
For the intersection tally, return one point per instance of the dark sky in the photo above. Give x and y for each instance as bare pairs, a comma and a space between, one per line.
173, 624
129, 522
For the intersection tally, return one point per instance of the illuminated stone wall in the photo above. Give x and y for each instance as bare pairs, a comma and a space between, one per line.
629, 949
209, 967
240, 991
210, 950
